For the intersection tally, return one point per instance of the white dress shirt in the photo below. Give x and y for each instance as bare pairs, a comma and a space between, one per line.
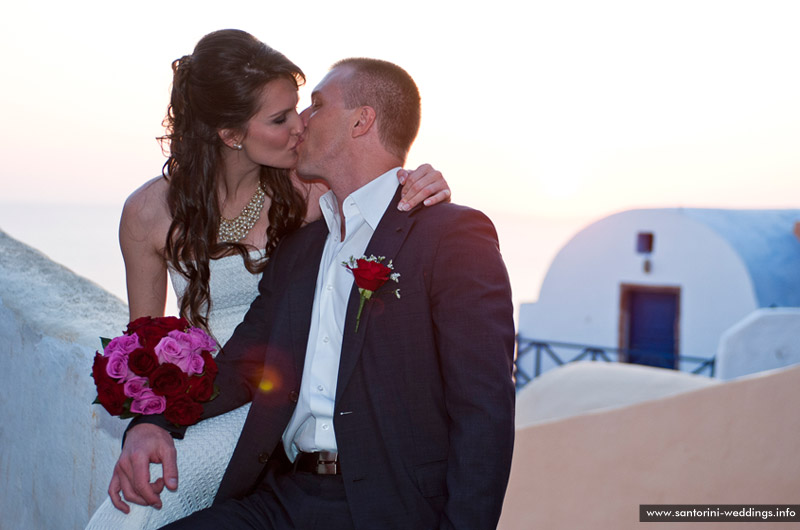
311, 426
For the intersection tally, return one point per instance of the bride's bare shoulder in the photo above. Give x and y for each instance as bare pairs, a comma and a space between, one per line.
146, 210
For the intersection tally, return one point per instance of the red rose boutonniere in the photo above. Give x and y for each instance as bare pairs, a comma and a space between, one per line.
370, 275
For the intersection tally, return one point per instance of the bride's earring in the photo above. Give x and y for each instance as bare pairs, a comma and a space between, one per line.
237, 146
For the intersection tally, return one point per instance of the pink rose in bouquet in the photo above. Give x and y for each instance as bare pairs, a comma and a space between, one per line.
196, 364
189, 345
159, 365
148, 402
170, 350
135, 386
117, 366
200, 341
123, 345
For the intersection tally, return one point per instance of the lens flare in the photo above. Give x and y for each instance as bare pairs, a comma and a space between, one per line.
270, 380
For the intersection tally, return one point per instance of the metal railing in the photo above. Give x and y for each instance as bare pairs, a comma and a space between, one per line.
532, 353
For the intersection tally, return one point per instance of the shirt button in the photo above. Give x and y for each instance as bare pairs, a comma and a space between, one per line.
320, 388
325, 426
326, 340
263, 457
293, 396
330, 287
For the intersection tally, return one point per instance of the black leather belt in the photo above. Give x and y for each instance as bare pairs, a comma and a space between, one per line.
319, 463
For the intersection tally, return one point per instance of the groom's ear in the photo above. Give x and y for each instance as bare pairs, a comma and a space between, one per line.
365, 120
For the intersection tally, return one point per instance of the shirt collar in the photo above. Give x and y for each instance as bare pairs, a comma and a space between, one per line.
371, 201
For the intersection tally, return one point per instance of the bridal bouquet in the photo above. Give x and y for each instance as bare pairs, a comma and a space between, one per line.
159, 365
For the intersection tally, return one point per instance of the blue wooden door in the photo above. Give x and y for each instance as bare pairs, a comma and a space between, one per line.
652, 328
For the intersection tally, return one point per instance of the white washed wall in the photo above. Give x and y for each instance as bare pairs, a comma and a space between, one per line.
57, 450
580, 297
766, 339
583, 387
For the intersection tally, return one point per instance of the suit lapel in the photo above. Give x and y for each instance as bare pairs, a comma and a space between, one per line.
301, 292
387, 241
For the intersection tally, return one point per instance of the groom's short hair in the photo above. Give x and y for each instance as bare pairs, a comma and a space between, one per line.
394, 95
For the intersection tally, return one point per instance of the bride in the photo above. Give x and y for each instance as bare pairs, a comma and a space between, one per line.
226, 198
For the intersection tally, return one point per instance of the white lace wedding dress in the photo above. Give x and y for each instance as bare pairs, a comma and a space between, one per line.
205, 451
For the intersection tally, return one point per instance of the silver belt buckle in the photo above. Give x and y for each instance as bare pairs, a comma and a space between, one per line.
327, 463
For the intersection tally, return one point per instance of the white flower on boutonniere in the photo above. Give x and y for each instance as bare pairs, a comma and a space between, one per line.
370, 274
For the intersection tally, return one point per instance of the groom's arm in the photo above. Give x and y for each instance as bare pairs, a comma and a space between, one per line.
473, 318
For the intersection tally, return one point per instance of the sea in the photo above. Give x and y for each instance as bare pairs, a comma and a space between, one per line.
83, 238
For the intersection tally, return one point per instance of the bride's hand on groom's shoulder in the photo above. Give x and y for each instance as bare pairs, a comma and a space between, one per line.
423, 185
144, 443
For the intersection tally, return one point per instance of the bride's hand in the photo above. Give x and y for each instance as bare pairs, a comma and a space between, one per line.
424, 185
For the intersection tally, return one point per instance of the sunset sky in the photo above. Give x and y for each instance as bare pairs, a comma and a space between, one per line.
549, 108
547, 115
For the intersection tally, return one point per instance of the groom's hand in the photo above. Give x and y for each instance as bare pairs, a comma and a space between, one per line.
144, 443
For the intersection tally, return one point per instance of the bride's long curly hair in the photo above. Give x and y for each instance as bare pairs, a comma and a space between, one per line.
218, 87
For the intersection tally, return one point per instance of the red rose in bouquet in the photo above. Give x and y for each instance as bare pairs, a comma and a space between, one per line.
201, 388
156, 326
151, 330
142, 362
168, 380
183, 410
159, 365
211, 364
112, 398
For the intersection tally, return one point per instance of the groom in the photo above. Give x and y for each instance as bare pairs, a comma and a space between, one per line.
395, 414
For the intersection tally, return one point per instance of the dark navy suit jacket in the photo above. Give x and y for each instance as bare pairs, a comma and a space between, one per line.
424, 414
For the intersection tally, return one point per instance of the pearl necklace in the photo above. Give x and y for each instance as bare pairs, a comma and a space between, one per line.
234, 230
